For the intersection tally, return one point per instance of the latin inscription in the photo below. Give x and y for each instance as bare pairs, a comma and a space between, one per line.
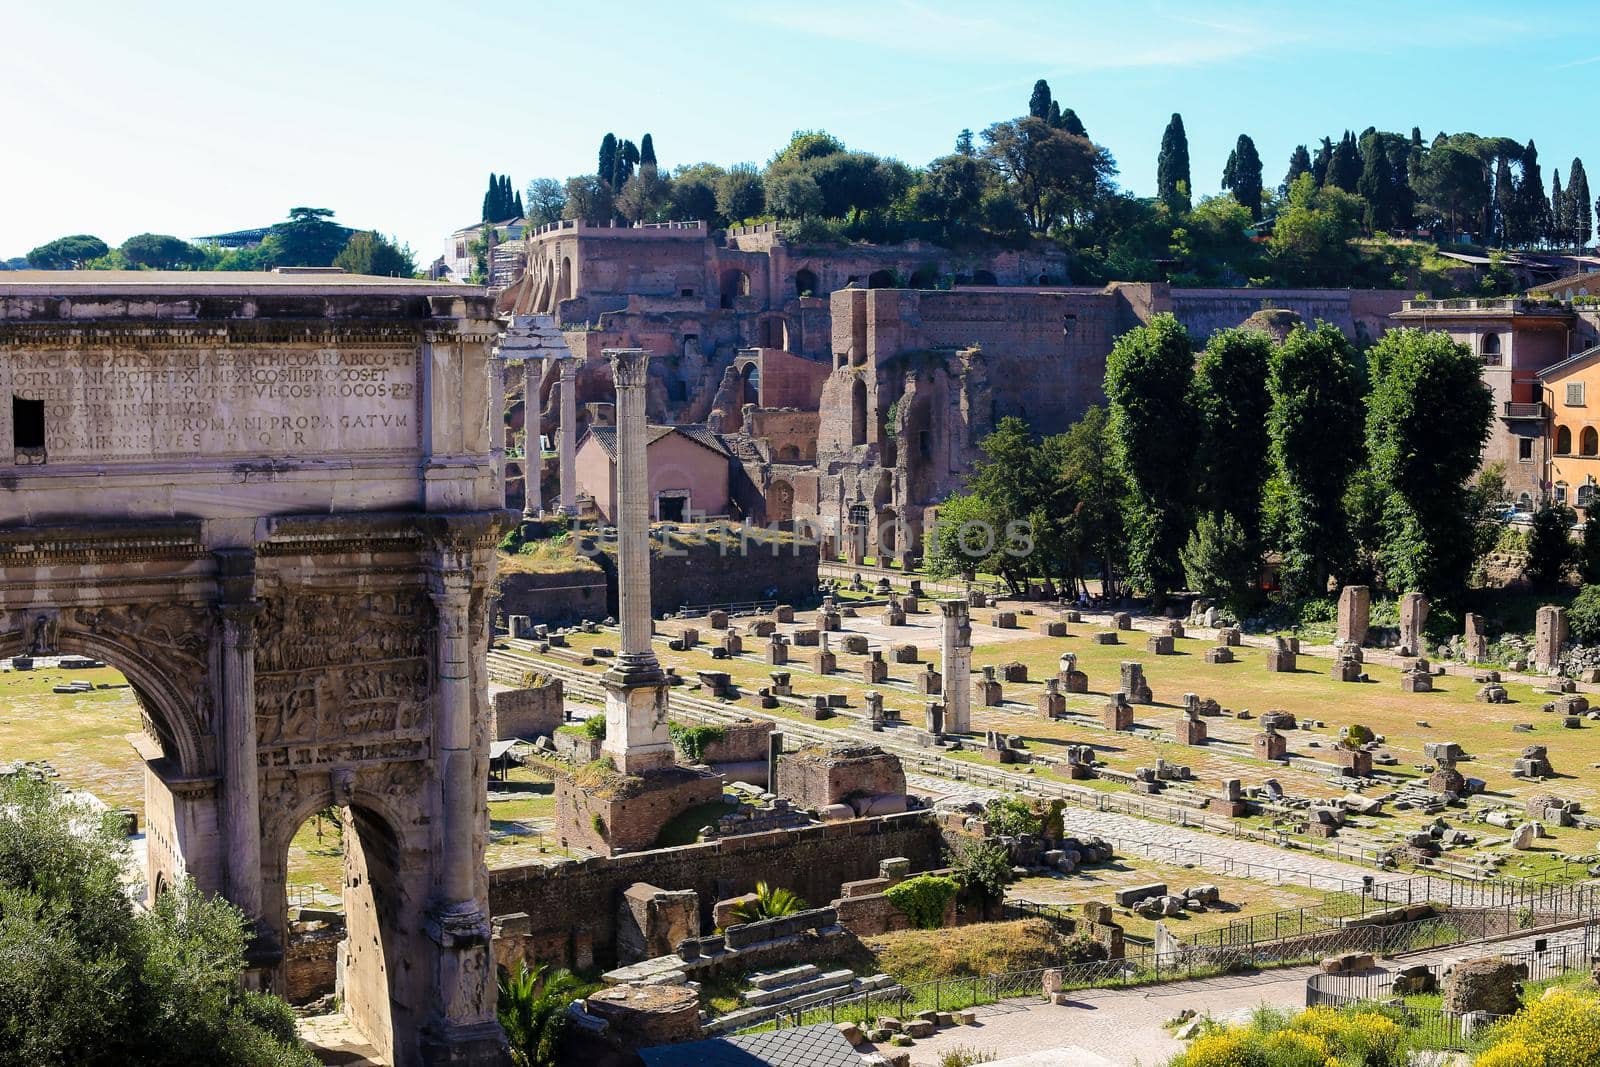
137, 404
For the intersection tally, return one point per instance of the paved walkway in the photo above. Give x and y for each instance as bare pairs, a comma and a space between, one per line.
1125, 1025
1177, 844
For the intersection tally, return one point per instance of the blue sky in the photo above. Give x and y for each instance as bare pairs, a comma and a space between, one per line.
192, 117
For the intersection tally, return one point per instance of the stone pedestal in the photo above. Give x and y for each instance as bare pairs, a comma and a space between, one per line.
777, 650
988, 689
1230, 636
1550, 632
1474, 641
1355, 612
956, 664
1191, 731
1134, 685
1052, 628
874, 671
1354, 761
1413, 616
1269, 745
1159, 644
1051, 702
1118, 714
928, 682
1281, 658
1220, 654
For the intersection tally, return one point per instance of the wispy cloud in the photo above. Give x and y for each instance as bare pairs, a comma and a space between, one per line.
1577, 63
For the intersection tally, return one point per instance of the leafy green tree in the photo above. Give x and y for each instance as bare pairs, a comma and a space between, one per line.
967, 538
159, 251
1172, 166
1230, 401
1589, 549
949, 192
1505, 202
1533, 210
1321, 162
982, 870
1242, 175
369, 252
1090, 494
1151, 429
1055, 175
546, 200
1584, 615
1315, 385
87, 979
1310, 243
1428, 417
588, 199
1377, 187
309, 239
1551, 552
740, 194
694, 193
1222, 561
645, 195
67, 253
1214, 243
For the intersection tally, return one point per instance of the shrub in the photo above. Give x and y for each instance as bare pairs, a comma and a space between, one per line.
1012, 816
923, 899
982, 870
1583, 618
1562, 1028
693, 740
532, 1008
963, 1056
595, 727
1550, 547
1356, 735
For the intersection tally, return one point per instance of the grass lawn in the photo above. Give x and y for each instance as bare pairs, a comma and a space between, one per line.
82, 735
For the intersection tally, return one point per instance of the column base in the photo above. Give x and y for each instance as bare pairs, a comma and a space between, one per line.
475, 1045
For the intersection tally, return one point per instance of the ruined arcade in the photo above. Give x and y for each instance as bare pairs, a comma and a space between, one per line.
271, 501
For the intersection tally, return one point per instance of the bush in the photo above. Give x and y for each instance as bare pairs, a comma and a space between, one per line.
1012, 817
1316, 1037
770, 903
982, 869
1562, 1029
923, 899
1550, 548
595, 727
1583, 617
693, 740
85, 978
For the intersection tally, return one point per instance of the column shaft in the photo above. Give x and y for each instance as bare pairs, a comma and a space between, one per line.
956, 661
533, 454
451, 598
241, 793
569, 436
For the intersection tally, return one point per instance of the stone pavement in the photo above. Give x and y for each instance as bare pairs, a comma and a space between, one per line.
1125, 1025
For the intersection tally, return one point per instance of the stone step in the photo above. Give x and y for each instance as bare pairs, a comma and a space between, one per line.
774, 979
785, 993
755, 1013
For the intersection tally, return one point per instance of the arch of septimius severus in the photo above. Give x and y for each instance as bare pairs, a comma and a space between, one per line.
272, 501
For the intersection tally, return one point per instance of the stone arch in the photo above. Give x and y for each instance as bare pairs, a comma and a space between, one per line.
925, 278
1563, 441
880, 279
789, 454
567, 283
1589, 442
984, 277
806, 282
735, 283
858, 411
750, 383
780, 502
1489, 349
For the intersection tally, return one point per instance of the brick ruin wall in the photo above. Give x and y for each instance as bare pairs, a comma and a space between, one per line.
528, 713
1363, 314
700, 575
558, 599
812, 861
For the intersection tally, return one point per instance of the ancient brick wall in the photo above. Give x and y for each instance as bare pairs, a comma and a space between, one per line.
310, 960
697, 575
1361, 314
742, 742
626, 823
812, 861
816, 777
560, 598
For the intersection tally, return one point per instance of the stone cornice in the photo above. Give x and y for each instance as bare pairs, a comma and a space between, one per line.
100, 543
74, 334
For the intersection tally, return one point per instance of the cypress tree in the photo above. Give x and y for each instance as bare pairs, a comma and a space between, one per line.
1578, 201
1344, 169
1053, 116
1242, 175
1374, 186
1070, 122
647, 151
1172, 166
517, 206
1039, 102
1322, 162
1299, 163
1559, 232
1505, 202
608, 158
1533, 210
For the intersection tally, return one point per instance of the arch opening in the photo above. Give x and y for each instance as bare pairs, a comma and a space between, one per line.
1563, 441
1589, 442
806, 282
735, 283
858, 412
880, 279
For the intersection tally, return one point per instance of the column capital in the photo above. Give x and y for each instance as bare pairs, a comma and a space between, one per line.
629, 367
238, 621
568, 366
954, 609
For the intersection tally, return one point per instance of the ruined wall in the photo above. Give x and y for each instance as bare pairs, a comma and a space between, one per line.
812, 861
558, 599
789, 436
719, 573
1363, 314
528, 713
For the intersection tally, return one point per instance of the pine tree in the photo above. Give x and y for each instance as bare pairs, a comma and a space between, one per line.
1242, 175
1039, 102
1172, 166
647, 151
1578, 201
964, 145
1505, 202
608, 158
1299, 163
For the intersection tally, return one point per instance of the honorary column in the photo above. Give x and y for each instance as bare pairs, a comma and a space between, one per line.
956, 659
636, 692
569, 433
532, 453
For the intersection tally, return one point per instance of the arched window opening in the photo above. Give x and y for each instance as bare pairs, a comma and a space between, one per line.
1563, 441
806, 283
1524, 501
1489, 349
1585, 498
1589, 442
880, 279
735, 283
858, 413
566, 277
984, 277
750, 381
925, 278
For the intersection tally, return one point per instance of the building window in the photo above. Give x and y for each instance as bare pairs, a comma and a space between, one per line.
1563, 441
1525, 449
1575, 394
1524, 501
1589, 442
1586, 495
1561, 492
1490, 349
27, 423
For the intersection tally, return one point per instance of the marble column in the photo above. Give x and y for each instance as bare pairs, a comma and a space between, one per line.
636, 690
532, 452
569, 433
452, 595
956, 660
241, 790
